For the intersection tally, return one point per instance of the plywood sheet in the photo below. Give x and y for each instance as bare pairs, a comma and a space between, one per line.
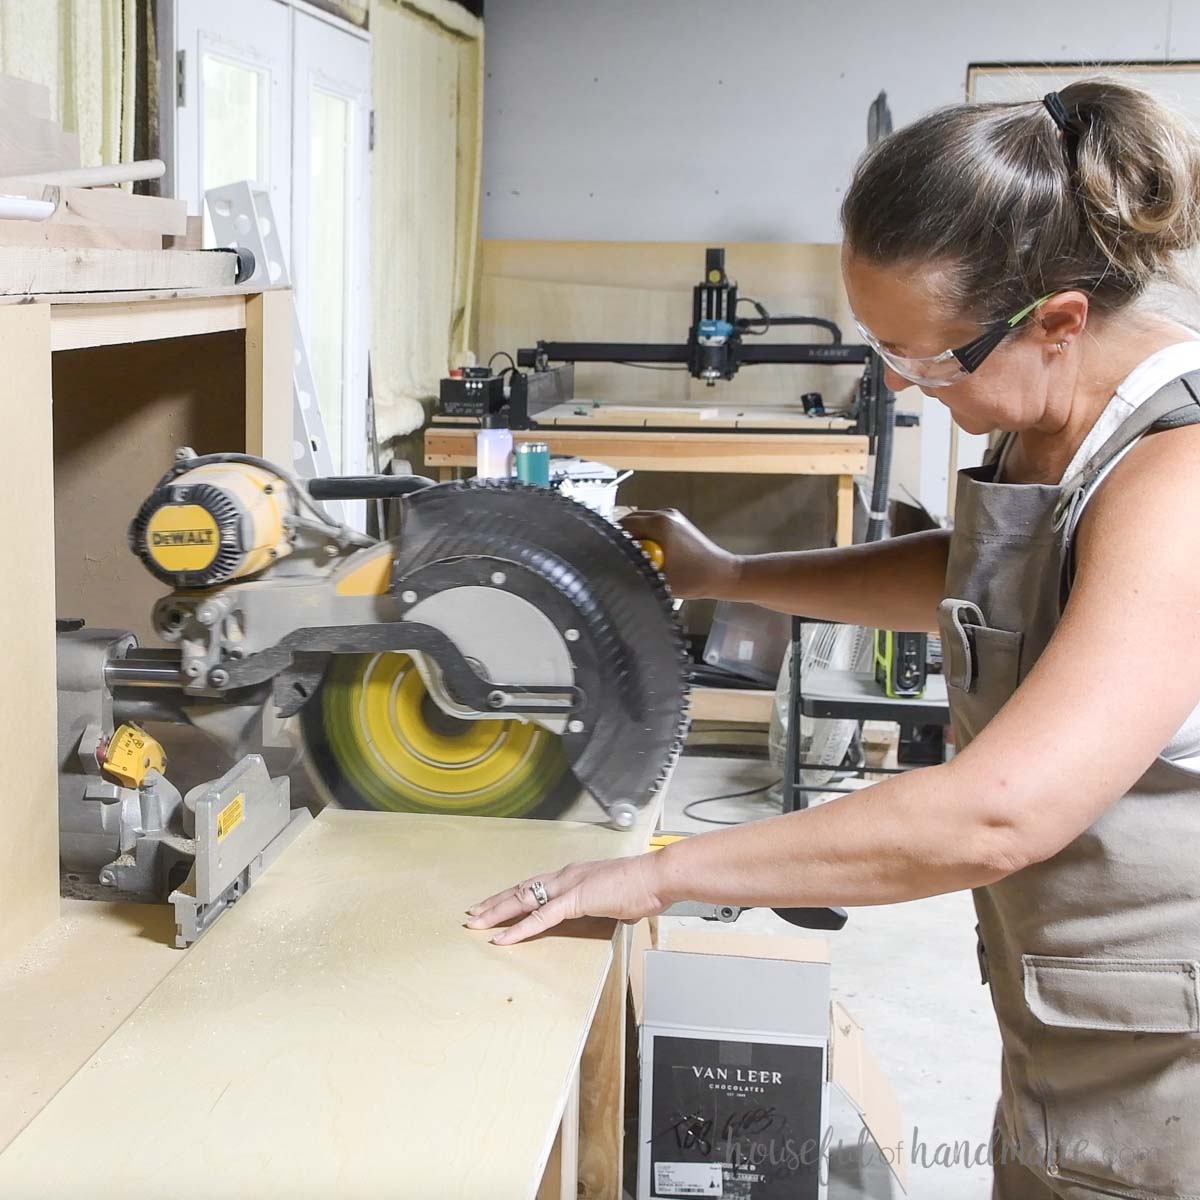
28, 812
658, 416
68, 990
339, 1033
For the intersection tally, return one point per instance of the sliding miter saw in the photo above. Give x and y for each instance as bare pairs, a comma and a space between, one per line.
506, 648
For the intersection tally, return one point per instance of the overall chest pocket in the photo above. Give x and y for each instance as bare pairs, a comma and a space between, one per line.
982, 665
1117, 1060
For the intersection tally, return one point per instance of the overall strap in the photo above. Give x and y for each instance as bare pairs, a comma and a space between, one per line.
1175, 404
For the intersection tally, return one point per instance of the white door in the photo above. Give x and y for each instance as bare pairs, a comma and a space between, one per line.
268, 92
233, 119
331, 108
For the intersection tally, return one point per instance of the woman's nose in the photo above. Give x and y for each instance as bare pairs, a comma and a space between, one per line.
897, 383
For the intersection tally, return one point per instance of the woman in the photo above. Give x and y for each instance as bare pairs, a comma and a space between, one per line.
1024, 236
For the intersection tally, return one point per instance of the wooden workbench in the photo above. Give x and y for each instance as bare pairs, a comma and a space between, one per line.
728, 450
340, 1033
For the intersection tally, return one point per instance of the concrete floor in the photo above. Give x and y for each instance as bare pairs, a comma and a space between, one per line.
908, 975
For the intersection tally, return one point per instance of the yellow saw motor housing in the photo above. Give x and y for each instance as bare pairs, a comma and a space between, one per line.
217, 522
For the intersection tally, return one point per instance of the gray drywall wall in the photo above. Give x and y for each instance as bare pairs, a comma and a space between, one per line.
741, 120
699, 120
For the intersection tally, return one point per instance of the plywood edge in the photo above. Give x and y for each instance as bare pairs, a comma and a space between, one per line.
136, 295
572, 1081
28, 806
75, 326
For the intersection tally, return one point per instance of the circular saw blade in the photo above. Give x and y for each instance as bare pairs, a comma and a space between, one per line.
598, 590
375, 739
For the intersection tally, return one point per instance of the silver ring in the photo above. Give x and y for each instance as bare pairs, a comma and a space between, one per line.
538, 888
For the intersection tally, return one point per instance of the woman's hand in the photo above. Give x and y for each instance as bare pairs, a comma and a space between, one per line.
624, 888
695, 566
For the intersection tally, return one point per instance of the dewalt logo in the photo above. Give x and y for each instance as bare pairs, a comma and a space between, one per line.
183, 537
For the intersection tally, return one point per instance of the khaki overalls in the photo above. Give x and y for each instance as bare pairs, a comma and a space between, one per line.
1092, 956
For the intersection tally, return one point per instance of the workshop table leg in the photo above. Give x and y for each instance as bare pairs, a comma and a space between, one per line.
845, 510
602, 1084
561, 1178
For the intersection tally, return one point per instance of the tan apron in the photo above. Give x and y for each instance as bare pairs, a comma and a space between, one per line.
1093, 955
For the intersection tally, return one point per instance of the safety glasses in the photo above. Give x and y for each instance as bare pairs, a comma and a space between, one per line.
941, 370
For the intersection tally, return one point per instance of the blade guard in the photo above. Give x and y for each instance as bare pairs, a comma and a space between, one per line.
601, 592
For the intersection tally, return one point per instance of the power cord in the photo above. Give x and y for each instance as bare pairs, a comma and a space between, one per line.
763, 316
687, 808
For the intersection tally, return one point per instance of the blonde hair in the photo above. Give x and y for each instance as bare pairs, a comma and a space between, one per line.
1012, 207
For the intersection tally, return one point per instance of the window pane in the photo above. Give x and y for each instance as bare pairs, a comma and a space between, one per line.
328, 222
233, 124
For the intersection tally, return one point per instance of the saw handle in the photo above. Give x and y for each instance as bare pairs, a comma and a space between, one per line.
367, 487
813, 918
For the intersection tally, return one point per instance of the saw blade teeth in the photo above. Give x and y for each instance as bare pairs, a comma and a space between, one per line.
665, 686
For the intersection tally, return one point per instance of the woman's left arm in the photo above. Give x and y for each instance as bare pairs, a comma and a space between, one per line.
1118, 678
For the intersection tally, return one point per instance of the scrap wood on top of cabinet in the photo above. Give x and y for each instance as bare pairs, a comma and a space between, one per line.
48, 200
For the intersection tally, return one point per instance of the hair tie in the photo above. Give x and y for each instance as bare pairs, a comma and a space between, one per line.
1058, 110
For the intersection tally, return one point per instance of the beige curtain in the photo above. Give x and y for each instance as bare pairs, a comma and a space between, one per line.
427, 68
84, 51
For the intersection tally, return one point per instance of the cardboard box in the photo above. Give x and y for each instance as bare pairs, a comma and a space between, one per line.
739, 1042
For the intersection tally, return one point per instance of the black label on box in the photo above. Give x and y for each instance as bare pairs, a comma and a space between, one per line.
738, 1120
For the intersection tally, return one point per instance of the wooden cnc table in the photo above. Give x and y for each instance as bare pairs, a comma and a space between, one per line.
711, 451
339, 1033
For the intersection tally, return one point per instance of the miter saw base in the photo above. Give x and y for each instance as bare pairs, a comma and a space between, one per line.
124, 829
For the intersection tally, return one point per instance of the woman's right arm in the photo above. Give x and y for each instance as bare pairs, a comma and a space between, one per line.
894, 584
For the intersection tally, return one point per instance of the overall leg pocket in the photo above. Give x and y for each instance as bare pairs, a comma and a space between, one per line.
1117, 1058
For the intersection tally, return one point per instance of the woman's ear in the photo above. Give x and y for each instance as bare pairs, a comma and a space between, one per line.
1063, 317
